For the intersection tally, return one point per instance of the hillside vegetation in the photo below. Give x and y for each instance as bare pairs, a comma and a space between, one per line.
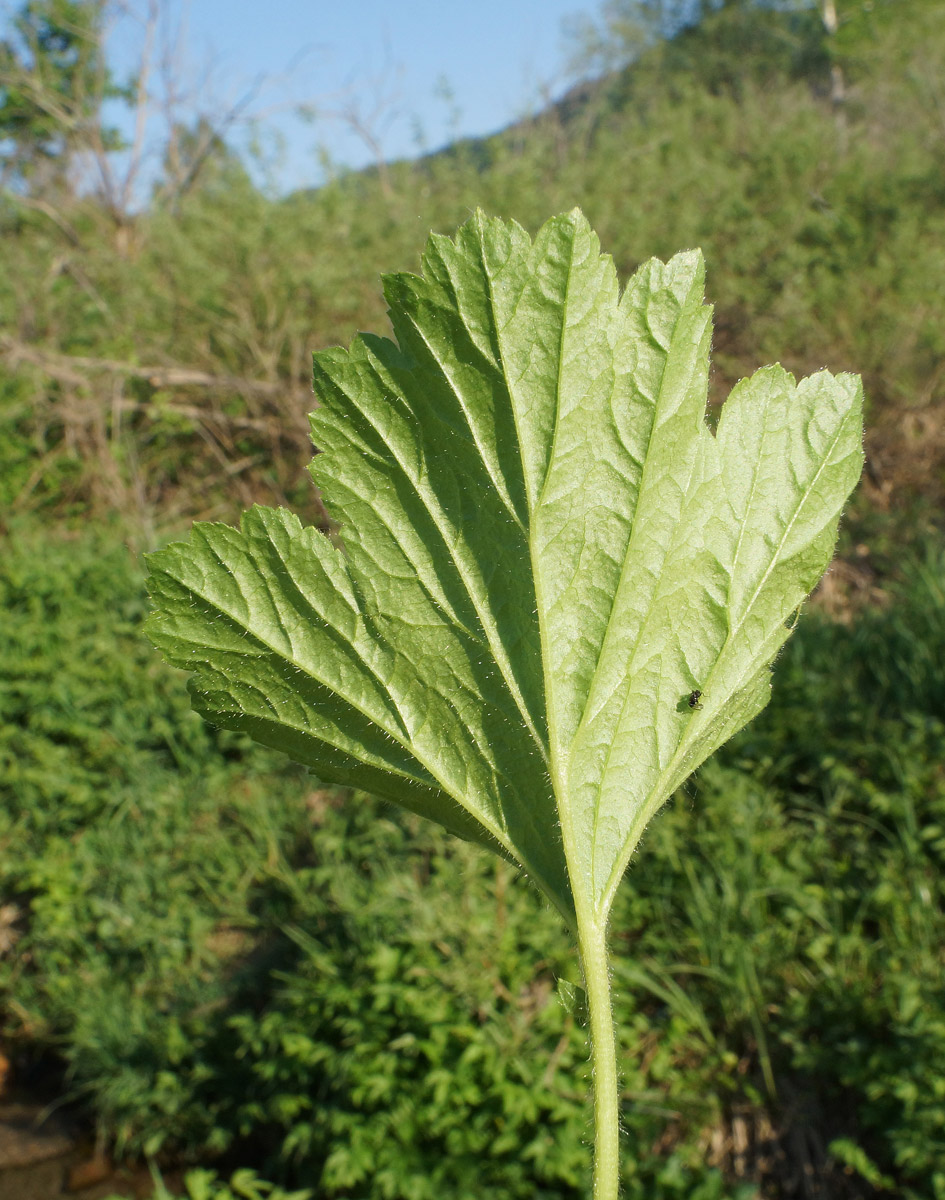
216, 960
158, 363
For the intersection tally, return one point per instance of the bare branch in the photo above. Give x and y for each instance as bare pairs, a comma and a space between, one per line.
72, 369
37, 204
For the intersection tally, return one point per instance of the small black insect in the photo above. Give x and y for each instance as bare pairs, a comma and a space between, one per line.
693, 700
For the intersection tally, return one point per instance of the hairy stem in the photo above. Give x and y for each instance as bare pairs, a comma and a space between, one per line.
592, 938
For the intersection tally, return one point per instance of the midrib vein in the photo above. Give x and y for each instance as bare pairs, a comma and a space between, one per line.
644, 612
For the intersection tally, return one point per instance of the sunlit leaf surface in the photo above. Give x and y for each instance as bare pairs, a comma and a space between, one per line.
555, 591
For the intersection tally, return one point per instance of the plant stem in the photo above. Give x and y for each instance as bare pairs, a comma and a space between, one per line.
592, 938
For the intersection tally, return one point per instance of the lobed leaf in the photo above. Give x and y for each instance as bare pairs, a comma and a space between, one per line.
557, 592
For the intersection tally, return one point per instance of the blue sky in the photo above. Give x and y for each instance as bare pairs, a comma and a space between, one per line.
414, 75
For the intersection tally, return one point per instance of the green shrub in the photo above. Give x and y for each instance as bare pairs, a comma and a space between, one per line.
244, 1184
131, 835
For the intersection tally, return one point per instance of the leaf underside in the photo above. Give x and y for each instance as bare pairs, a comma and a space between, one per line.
545, 553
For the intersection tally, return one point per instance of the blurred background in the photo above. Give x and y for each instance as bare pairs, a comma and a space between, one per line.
211, 964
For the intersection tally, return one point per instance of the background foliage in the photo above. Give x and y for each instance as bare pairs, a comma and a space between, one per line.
219, 961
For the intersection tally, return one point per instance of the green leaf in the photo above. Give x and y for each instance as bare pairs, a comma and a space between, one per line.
556, 591
851, 1155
